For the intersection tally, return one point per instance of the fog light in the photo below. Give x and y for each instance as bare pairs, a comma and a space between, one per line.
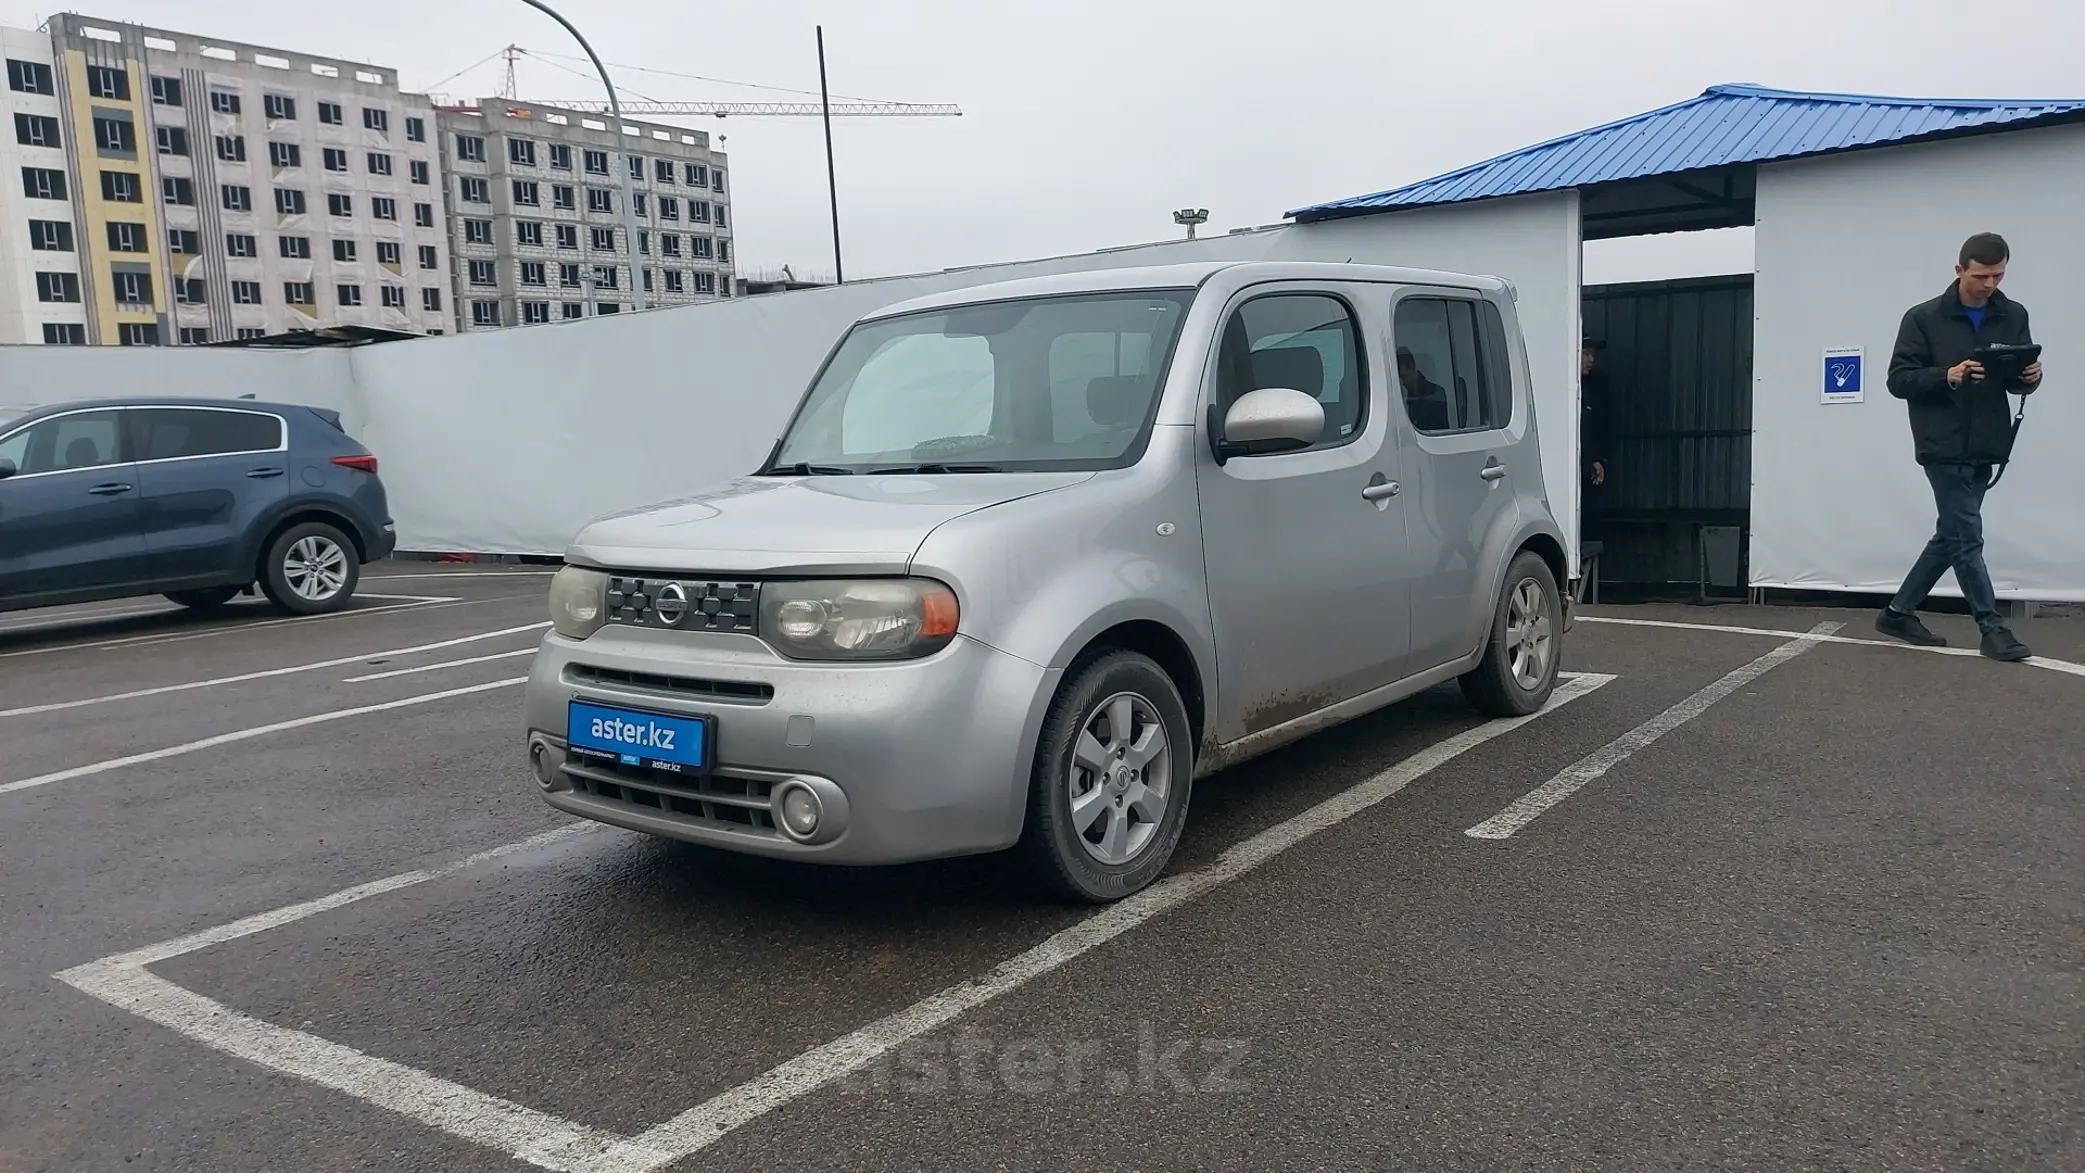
546, 762
800, 812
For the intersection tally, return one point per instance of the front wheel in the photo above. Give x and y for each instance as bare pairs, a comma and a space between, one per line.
1522, 654
310, 568
1113, 772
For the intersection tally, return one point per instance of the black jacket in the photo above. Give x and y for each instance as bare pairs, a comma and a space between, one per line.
1970, 424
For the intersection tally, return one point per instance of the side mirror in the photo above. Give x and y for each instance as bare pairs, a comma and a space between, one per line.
1267, 421
8, 468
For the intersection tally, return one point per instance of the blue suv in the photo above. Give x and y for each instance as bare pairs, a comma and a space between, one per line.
195, 499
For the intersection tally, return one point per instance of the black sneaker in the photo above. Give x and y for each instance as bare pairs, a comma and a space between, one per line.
1999, 644
1907, 628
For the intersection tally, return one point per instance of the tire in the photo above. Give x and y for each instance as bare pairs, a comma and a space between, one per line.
1519, 668
1056, 854
310, 568
204, 600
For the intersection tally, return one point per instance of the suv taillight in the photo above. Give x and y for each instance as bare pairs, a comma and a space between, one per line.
358, 463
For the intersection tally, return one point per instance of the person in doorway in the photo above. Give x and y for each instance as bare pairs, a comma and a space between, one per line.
1595, 433
1960, 428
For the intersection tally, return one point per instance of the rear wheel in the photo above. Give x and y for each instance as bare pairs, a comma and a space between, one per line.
1113, 772
205, 600
1521, 657
310, 568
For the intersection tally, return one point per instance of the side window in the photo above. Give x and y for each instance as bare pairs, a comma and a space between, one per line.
916, 389
172, 433
1450, 370
1306, 342
86, 440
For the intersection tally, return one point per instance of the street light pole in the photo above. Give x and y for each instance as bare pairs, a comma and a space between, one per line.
621, 132
832, 185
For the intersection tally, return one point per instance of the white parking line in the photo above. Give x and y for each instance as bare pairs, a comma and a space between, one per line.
428, 602
462, 574
174, 751
338, 662
440, 666
1571, 778
551, 1143
34, 621
2064, 666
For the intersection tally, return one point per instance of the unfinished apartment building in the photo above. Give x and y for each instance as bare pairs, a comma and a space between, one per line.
536, 214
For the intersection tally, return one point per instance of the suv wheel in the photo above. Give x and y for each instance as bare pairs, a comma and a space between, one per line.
204, 600
1113, 772
1519, 668
310, 568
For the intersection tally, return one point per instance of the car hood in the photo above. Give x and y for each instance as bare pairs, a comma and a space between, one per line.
794, 525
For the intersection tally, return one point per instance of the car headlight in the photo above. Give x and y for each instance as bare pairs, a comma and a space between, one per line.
858, 619
578, 601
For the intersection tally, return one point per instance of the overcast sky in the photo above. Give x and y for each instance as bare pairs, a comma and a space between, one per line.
1087, 122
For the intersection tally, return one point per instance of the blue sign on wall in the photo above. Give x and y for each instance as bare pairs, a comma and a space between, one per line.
1842, 375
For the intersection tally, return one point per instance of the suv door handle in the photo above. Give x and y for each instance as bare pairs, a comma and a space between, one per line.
263, 473
1377, 492
109, 490
1493, 471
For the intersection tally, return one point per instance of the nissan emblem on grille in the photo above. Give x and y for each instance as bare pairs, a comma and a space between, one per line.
683, 604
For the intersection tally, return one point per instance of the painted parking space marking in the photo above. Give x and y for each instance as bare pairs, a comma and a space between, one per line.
1574, 777
548, 1142
421, 603
2063, 666
445, 664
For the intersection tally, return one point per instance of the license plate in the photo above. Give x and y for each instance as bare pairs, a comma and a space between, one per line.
676, 744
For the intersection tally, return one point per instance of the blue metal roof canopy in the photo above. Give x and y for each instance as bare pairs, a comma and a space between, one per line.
1690, 165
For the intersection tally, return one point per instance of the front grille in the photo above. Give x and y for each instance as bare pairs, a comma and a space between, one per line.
680, 686
718, 802
683, 604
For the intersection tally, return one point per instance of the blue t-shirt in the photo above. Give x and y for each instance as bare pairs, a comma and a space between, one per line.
1976, 315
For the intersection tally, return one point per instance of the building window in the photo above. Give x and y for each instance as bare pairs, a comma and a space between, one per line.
340, 204
568, 236
716, 181
241, 244
698, 211
116, 136
644, 242
676, 281
423, 215
387, 253
722, 221
231, 148
526, 193
237, 198
245, 332
568, 276
132, 289
299, 293
50, 236
485, 313
375, 119
343, 250
416, 130
564, 197
431, 300
669, 208
521, 151
705, 282
429, 257
597, 162
63, 333
608, 307
636, 167
331, 114
662, 170
699, 247
394, 297
188, 291
474, 191
336, 159
534, 312
528, 233
58, 287
194, 335
43, 183
723, 250
285, 155
137, 334
637, 203
698, 175
184, 242
418, 170
484, 273
670, 244
121, 187
166, 91
606, 276
560, 157
379, 163
108, 81
173, 140
294, 248
477, 232
279, 107
36, 130
178, 191
30, 77
470, 148
383, 208
289, 201
246, 293
571, 309
224, 101
604, 240
532, 273
349, 295
600, 199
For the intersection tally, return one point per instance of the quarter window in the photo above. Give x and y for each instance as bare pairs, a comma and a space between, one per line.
1302, 341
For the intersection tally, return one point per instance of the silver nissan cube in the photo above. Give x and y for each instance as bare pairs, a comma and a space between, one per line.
1030, 559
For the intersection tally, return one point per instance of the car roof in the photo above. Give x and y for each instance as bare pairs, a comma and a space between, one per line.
1184, 275
157, 401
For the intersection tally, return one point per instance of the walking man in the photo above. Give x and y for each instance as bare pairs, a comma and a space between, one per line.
1960, 429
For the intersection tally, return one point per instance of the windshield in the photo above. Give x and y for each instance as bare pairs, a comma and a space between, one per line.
1041, 383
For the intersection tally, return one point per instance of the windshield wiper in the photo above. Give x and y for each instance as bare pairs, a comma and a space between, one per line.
934, 469
806, 469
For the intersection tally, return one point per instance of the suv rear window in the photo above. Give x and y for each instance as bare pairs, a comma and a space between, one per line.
170, 433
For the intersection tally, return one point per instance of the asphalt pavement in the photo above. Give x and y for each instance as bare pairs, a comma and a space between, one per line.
1753, 894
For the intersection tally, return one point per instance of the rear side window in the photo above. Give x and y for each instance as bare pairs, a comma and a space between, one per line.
1452, 366
1301, 341
85, 439
170, 433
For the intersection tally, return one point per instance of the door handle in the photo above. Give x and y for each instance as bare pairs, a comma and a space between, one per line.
1378, 492
1493, 471
264, 473
109, 490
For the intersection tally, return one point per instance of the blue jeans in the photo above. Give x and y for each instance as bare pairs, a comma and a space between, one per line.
1958, 544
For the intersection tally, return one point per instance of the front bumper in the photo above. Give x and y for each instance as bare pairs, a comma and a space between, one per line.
907, 761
